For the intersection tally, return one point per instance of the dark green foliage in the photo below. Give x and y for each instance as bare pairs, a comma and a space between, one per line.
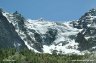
28, 56
5, 53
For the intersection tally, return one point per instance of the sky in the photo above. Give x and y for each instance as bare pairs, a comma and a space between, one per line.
56, 10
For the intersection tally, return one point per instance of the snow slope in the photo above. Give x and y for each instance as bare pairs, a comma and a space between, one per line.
46, 36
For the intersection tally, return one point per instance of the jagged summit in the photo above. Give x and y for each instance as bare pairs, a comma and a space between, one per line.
86, 20
46, 36
92, 12
8, 36
1, 10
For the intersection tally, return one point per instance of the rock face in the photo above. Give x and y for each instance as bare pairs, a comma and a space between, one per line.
87, 37
8, 36
45, 36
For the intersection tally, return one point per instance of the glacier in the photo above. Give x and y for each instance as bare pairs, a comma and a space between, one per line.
43, 36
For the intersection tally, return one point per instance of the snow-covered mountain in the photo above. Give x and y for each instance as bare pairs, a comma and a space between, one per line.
9, 38
46, 36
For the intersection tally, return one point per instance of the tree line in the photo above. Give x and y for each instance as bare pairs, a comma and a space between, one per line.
29, 56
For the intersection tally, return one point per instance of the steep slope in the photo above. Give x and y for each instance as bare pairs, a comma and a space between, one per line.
87, 37
46, 36
8, 36
54, 35
40, 34
18, 22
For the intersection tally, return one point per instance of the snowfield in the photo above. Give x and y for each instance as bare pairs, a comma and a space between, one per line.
47, 36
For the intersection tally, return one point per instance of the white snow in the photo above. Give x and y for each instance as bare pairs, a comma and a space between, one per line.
94, 47
64, 30
66, 49
87, 37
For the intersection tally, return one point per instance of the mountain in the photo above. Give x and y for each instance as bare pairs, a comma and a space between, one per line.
71, 37
8, 36
87, 37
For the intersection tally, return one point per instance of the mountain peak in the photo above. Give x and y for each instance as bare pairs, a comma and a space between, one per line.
93, 9
16, 12
92, 12
1, 10
43, 36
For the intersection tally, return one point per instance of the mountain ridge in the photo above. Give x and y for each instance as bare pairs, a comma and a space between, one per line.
65, 38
